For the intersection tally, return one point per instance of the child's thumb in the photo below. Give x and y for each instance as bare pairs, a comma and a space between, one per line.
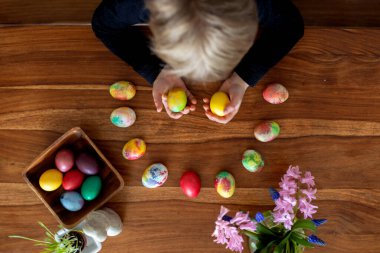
230, 108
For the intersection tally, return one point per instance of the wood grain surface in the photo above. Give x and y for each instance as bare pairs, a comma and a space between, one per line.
53, 78
315, 13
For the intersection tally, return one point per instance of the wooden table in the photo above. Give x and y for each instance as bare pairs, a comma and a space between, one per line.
53, 78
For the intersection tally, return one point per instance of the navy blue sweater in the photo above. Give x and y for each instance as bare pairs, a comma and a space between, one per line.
280, 27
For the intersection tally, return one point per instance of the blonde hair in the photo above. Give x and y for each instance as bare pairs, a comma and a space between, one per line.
202, 40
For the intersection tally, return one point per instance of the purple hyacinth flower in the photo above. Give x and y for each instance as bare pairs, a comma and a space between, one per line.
318, 222
274, 194
315, 240
259, 217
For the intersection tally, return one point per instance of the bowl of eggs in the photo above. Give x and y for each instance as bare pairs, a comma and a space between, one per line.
72, 178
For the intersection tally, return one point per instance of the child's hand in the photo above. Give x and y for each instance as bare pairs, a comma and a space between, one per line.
161, 86
235, 87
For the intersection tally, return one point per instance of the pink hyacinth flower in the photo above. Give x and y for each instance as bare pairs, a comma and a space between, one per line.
294, 172
308, 179
306, 208
309, 193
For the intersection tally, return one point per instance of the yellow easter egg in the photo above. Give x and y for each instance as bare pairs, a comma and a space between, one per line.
122, 90
177, 99
51, 180
218, 103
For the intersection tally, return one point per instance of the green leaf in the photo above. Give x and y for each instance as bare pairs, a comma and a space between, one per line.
305, 224
301, 241
251, 235
261, 229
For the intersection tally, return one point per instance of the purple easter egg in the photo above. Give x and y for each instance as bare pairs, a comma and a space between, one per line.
87, 164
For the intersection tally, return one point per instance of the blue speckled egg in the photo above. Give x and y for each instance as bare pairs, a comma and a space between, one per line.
72, 201
155, 175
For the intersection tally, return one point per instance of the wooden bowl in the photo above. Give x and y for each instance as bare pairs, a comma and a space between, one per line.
76, 140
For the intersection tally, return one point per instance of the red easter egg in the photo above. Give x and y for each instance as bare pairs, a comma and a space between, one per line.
64, 160
72, 180
190, 184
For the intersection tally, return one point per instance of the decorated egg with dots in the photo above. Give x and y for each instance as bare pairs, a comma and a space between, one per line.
177, 99
252, 161
123, 117
134, 149
122, 90
218, 103
275, 93
225, 184
155, 175
267, 131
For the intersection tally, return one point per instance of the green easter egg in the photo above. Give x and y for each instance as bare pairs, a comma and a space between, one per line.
91, 187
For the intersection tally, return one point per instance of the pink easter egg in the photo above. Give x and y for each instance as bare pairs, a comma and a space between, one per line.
275, 93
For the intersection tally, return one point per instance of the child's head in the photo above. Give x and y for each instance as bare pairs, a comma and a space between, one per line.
202, 40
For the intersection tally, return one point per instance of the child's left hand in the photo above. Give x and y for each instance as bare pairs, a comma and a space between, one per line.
235, 87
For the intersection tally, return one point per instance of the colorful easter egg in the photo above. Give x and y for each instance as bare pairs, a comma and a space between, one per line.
190, 184
252, 161
123, 90
177, 99
72, 201
155, 175
267, 131
218, 103
72, 180
64, 160
51, 180
91, 187
225, 184
123, 117
87, 164
275, 93
134, 149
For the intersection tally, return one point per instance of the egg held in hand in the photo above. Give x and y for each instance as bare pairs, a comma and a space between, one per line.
218, 103
177, 99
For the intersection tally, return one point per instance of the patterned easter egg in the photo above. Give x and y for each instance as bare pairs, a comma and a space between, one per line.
51, 180
252, 161
177, 99
123, 90
155, 175
134, 149
225, 184
275, 93
72, 201
123, 117
267, 131
218, 103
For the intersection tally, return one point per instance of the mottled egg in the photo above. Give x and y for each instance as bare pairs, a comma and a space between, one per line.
134, 149
87, 164
218, 103
91, 187
267, 131
275, 93
123, 90
225, 184
123, 117
252, 161
155, 175
190, 184
51, 180
177, 99
72, 180
64, 160
72, 201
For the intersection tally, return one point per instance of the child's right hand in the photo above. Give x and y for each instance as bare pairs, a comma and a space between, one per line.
164, 82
